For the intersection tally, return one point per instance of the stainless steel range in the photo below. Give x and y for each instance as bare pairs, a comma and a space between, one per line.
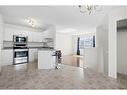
21, 51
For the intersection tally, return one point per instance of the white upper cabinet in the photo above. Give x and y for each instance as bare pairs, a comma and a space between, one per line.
49, 36
33, 36
49, 32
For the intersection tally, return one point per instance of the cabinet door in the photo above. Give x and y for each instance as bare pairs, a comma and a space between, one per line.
48, 34
35, 37
33, 55
7, 57
10, 31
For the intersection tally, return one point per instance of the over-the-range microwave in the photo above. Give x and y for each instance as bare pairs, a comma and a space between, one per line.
20, 39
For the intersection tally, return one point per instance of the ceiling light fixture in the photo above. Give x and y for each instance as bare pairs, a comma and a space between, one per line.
30, 21
88, 8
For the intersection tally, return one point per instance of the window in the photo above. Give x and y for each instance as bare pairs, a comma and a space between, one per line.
87, 42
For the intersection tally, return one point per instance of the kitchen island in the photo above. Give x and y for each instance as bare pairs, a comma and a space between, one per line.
46, 60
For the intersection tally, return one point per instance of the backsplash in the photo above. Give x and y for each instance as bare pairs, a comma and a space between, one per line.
7, 44
30, 44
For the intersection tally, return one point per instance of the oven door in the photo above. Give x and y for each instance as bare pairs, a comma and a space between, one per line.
20, 56
20, 60
20, 53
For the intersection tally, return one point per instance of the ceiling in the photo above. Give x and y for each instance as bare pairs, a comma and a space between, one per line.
61, 16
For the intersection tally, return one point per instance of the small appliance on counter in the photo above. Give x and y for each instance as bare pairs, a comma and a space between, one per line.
20, 50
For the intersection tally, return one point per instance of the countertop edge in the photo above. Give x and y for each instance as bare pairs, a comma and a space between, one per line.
4, 48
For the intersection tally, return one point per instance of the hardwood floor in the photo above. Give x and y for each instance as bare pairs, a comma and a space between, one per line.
73, 60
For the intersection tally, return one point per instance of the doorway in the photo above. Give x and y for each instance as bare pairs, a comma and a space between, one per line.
122, 49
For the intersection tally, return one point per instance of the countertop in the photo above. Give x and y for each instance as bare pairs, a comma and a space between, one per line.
7, 48
40, 48
46, 48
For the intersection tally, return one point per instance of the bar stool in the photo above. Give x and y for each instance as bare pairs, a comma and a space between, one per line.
57, 55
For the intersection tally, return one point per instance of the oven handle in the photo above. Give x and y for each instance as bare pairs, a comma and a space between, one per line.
20, 49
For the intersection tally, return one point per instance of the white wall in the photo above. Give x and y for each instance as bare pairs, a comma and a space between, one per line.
102, 45
114, 16
63, 42
67, 42
90, 55
1, 39
0, 60
90, 58
122, 52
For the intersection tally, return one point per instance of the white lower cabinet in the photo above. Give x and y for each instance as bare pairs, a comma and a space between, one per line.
7, 57
33, 54
45, 59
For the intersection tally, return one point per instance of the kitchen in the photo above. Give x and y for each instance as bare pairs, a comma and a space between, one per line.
42, 32
31, 39
39, 27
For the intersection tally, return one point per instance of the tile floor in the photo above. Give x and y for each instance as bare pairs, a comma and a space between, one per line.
27, 76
